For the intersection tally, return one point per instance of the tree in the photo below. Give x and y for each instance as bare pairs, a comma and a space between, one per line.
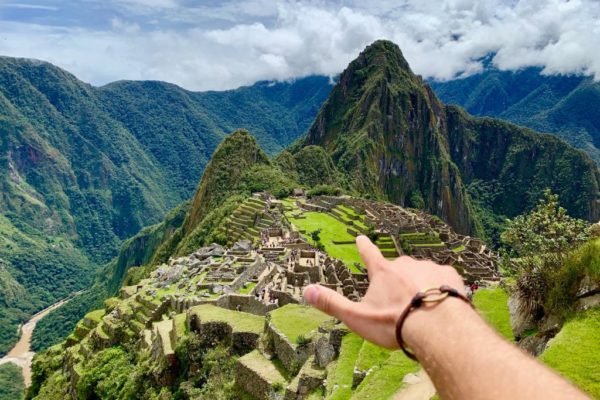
315, 236
538, 244
548, 229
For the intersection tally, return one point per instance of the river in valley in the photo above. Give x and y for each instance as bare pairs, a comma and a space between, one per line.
21, 354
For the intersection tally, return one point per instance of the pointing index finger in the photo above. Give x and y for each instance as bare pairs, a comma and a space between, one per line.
369, 253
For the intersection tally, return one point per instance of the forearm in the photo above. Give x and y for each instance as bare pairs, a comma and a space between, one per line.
465, 358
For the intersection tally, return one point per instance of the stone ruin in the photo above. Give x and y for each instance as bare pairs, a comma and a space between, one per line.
265, 269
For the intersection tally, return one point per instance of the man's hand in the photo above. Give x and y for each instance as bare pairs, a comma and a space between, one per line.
392, 284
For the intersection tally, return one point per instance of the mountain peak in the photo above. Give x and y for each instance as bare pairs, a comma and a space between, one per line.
384, 53
383, 127
237, 153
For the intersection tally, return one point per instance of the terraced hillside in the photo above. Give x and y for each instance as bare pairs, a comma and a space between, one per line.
243, 302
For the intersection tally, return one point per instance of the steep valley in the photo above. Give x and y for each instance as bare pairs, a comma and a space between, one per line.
84, 168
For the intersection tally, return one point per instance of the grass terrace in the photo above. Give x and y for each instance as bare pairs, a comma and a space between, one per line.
294, 320
331, 230
353, 218
459, 249
371, 355
95, 316
339, 381
575, 351
386, 380
247, 288
239, 321
267, 369
492, 304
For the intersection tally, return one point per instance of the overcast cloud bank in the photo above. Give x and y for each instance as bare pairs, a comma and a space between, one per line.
221, 45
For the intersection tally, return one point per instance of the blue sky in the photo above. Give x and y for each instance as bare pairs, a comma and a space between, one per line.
203, 45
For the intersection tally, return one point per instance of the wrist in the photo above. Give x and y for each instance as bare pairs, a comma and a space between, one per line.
433, 322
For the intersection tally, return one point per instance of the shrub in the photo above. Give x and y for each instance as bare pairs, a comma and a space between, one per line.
303, 340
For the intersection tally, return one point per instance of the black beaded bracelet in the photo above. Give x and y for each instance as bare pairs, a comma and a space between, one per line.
431, 295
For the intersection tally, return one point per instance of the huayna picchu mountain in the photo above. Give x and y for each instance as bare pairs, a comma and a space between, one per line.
390, 136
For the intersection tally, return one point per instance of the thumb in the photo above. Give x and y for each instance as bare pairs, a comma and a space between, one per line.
327, 300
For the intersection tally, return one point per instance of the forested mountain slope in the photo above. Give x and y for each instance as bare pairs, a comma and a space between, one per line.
562, 105
83, 168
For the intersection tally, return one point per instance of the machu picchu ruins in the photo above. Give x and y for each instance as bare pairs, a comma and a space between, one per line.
244, 293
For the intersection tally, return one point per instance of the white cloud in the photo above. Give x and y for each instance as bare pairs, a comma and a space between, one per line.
29, 6
281, 40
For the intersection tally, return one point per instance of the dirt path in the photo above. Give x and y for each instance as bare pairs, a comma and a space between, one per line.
417, 387
21, 354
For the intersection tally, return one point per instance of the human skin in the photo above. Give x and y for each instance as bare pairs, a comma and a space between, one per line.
464, 357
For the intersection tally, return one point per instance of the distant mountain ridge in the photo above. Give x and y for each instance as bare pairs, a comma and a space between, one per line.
564, 105
83, 168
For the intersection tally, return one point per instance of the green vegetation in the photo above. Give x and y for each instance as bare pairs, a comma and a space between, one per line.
489, 182
492, 304
370, 356
105, 376
248, 288
296, 321
559, 104
60, 322
83, 168
315, 167
12, 386
574, 352
449, 162
546, 268
387, 379
327, 190
239, 321
579, 264
353, 132
237, 168
331, 230
268, 370
339, 382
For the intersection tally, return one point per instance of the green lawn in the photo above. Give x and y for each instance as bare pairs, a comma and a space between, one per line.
331, 229
294, 320
385, 381
248, 288
493, 307
575, 352
341, 376
371, 355
257, 362
239, 321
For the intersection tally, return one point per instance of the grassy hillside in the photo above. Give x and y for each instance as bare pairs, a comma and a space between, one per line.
492, 304
574, 352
